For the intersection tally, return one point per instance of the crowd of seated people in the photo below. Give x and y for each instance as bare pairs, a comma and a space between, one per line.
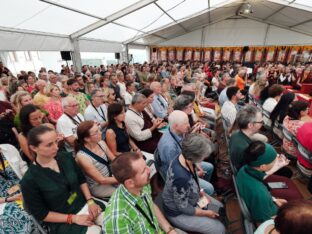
83, 142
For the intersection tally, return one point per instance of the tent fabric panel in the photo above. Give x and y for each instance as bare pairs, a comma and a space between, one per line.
86, 45
12, 41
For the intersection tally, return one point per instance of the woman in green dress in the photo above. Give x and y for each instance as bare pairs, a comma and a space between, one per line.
55, 189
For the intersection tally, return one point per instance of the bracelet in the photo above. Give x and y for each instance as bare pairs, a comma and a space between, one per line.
90, 201
170, 229
69, 219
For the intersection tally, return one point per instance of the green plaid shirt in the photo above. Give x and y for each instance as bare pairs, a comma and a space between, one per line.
122, 217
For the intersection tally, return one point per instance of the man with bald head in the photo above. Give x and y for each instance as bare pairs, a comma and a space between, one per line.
169, 147
160, 105
68, 123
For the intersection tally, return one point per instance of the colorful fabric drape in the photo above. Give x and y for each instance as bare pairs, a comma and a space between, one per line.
188, 54
171, 54
217, 54
154, 55
258, 54
197, 54
293, 51
226, 54
270, 54
163, 54
237, 54
248, 57
179, 53
281, 53
207, 55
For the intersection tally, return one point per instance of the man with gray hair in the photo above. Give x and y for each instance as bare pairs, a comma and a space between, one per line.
169, 147
186, 206
249, 120
68, 123
96, 110
141, 128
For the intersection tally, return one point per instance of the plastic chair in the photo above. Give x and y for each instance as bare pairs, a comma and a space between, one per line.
306, 154
247, 220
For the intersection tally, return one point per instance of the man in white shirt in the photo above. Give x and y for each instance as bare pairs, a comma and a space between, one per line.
96, 110
222, 97
228, 109
68, 123
130, 86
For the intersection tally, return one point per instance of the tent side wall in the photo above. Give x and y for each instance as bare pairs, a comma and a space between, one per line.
239, 32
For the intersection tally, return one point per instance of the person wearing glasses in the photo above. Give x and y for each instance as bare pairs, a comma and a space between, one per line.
68, 122
97, 110
94, 158
111, 97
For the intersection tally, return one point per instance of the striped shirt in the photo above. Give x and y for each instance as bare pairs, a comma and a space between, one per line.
122, 216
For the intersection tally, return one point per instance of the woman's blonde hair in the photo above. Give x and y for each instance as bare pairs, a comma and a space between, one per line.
17, 98
49, 89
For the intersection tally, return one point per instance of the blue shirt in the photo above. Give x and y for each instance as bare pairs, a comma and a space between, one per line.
168, 149
223, 97
160, 106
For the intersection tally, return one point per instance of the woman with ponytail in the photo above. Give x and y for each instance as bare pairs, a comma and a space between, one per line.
94, 157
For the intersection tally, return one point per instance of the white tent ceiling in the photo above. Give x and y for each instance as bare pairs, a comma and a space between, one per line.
106, 25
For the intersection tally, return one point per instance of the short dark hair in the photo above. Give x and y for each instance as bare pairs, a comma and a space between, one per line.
147, 92
295, 109
231, 91
189, 93
113, 110
71, 81
253, 151
129, 83
294, 217
122, 166
275, 90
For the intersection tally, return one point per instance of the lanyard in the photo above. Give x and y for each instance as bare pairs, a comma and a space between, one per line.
175, 139
194, 175
73, 120
102, 116
140, 115
148, 218
161, 102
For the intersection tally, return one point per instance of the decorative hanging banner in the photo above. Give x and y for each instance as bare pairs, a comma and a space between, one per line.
237, 54
188, 54
270, 54
258, 54
171, 54
226, 54
293, 51
281, 53
163, 54
216, 54
248, 55
207, 55
154, 55
179, 53
197, 53
306, 51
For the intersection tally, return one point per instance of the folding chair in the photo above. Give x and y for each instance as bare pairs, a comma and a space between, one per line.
290, 137
247, 220
305, 153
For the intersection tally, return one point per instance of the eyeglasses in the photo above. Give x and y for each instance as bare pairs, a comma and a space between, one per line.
75, 105
259, 122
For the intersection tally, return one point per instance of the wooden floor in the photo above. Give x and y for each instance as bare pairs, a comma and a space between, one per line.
232, 207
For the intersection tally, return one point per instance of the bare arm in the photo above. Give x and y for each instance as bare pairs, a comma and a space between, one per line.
111, 142
24, 146
92, 172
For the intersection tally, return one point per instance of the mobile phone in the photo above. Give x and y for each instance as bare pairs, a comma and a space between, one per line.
277, 185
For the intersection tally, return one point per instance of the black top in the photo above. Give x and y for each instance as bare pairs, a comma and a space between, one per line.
122, 138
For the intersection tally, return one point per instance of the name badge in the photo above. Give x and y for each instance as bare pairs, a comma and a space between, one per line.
72, 198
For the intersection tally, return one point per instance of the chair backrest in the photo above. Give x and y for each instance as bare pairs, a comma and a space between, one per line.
158, 163
287, 134
304, 152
